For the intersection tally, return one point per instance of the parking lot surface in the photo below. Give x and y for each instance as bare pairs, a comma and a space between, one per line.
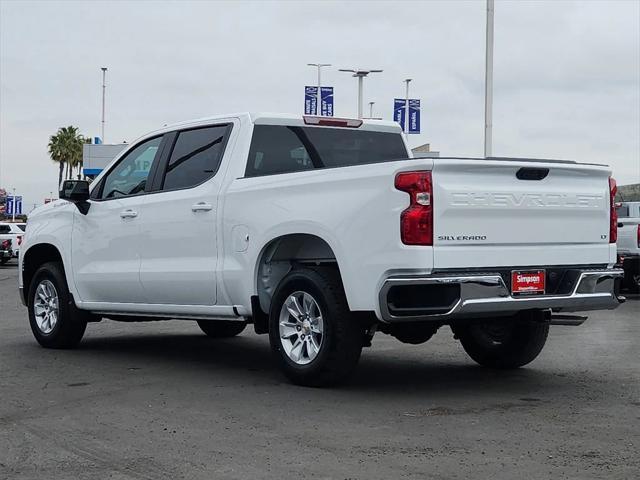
161, 400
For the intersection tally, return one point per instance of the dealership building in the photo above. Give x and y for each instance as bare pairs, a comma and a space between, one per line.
95, 157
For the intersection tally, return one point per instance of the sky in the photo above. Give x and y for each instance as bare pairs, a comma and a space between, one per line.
566, 73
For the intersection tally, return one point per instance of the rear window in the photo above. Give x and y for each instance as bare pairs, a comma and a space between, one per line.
283, 149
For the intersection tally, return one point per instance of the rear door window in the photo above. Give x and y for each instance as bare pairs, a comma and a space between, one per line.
195, 157
283, 149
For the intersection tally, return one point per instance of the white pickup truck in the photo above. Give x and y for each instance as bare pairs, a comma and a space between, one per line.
320, 232
629, 243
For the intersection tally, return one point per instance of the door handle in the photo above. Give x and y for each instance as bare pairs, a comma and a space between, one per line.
128, 214
201, 207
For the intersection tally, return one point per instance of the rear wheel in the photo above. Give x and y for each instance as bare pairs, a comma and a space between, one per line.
315, 338
54, 319
221, 328
508, 343
632, 275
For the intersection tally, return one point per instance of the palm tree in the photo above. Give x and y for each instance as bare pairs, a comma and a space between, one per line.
65, 147
55, 152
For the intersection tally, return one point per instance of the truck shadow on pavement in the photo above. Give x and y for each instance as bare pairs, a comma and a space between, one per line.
246, 360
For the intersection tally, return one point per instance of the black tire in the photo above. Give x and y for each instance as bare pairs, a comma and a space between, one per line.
342, 336
3, 261
71, 322
505, 344
221, 328
632, 275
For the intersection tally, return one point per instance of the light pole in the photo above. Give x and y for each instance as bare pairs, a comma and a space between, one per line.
371, 109
488, 83
360, 74
104, 87
406, 108
319, 67
15, 204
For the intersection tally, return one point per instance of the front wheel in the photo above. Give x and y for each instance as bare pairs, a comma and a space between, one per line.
314, 336
54, 319
505, 343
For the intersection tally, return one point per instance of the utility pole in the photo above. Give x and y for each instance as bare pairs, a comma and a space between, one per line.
319, 67
360, 74
371, 109
104, 87
406, 109
488, 83
15, 204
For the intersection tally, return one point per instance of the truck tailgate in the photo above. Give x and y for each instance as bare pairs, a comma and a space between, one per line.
519, 213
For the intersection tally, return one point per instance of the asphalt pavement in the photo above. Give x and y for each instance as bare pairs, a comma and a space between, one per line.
160, 400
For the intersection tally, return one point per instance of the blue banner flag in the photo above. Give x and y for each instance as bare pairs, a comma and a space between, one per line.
326, 101
310, 100
399, 111
414, 116
14, 205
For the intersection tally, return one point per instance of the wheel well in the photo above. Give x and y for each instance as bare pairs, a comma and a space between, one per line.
35, 257
283, 254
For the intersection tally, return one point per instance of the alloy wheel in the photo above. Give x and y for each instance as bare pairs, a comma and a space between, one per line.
46, 306
301, 327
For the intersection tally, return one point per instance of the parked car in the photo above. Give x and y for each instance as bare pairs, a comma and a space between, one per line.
6, 253
15, 232
629, 243
320, 232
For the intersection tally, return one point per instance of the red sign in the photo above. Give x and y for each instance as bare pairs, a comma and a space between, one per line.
528, 282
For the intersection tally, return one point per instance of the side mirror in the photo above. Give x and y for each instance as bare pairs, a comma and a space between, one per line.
76, 191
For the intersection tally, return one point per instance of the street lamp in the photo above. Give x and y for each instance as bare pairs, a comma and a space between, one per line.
371, 104
360, 74
104, 86
488, 83
406, 108
319, 67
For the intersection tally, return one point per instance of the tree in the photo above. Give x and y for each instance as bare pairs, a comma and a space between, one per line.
55, 152
65, 148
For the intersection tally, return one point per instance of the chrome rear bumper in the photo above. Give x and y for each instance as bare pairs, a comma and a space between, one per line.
485, 294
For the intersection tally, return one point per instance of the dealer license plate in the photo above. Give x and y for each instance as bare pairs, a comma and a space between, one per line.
527, 282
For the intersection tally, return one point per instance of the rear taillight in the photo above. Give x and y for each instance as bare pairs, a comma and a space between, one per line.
416, 221
613, 214
6, 244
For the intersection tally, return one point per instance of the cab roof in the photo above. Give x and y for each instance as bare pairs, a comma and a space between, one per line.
265, 118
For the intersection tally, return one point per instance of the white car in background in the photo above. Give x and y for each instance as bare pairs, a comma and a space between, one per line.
629, 243
13, 232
